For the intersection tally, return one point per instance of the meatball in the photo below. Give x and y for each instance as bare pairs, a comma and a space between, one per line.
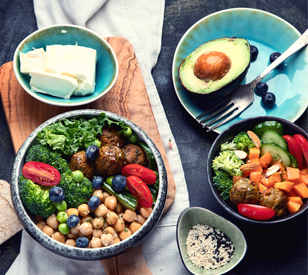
80, 162
111, 136
275, 199
134, 154
110, 160
244, 191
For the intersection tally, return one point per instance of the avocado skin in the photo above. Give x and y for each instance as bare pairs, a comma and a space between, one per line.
222, 91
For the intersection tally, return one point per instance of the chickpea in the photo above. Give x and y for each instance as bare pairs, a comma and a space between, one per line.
97, 233
106, 239
116, 240
109, 230
98, 222
134, 226
125, 234
145, 212
75, 230
105, 225
119, 208
101, 210
96, 242
70, 242
86, 228
52, 221
83, 210
72, 236
48, 230
87, 219
119, 225
140, 219
72, 211
105, 196
99, 194
111, 218
58, 237
111, 202
129, 215
41, 225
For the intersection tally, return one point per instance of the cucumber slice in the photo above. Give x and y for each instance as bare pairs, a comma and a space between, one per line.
277, 152
149, 154
271, 136
271, 124
293, 161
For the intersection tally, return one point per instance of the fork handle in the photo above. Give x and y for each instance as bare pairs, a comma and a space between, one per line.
301, 42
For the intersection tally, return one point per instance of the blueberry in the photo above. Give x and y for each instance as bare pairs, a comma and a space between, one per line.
94, 202
274, 56
261, 89
56, 194
97, 182
268, 100
92, 152
253, 53
119, 183
72, 221
82, 242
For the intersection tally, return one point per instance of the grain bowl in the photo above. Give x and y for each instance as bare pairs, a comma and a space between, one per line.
28, 219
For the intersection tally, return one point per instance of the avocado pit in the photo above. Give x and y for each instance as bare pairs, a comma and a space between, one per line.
212, 66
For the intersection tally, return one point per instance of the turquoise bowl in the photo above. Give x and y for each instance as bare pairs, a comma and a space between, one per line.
107, 68
269, 33
197, 215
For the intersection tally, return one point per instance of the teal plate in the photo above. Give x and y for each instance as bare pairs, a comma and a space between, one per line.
269, 33
107, 68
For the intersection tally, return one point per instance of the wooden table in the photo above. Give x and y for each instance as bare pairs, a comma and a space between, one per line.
280, 249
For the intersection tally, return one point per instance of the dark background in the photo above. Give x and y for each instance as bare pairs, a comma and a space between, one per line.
277, 249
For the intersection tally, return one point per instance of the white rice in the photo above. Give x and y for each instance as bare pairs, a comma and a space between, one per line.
208, 248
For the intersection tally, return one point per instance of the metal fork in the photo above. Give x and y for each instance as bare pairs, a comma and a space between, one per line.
242, 97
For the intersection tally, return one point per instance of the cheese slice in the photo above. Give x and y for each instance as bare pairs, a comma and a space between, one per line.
32, 61
54, 84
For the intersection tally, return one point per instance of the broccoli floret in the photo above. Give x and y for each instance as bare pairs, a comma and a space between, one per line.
223, 182
41, 153
76, 193
240, 142
229, 162
36, 197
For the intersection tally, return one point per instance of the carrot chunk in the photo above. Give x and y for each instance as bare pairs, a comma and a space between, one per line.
301, 190
268, 183
304, 178
267, 158
284, 186
296, 199
262, 188
293, 173
276, 177
293, 206
254, 153
236, 178
255, 177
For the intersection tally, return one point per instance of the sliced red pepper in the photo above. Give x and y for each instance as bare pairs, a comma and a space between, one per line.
140, 191
295, 150
303, 144
147, 175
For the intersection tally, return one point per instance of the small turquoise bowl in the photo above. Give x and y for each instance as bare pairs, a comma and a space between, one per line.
107, 68
196, 215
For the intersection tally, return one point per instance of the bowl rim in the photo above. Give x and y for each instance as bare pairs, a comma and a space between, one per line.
190, 208
47, 101
214, 190
88, 254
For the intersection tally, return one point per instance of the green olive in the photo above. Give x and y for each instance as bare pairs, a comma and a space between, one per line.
78, 176
133, 138
109, 180
64, 229
62, 217
61, 206
127, 131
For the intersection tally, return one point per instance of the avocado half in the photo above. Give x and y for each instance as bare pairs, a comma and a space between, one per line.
233, 55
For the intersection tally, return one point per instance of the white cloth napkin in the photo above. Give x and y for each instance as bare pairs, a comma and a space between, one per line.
139, 21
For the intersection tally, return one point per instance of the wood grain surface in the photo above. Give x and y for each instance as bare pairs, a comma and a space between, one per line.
127, 98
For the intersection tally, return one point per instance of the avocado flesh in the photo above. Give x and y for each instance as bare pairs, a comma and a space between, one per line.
237, 49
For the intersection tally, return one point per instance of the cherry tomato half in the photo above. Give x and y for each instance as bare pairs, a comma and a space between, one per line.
140, 190
41, 173
256, 212
147, 175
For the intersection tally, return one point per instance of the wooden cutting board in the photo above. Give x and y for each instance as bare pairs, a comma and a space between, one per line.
127, 98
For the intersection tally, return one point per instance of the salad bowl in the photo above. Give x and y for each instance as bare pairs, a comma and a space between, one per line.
28, 220
289, 128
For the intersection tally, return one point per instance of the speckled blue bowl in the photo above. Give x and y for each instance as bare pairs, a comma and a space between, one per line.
106, 67
227, 135
86, 254
196, 215
269, 33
